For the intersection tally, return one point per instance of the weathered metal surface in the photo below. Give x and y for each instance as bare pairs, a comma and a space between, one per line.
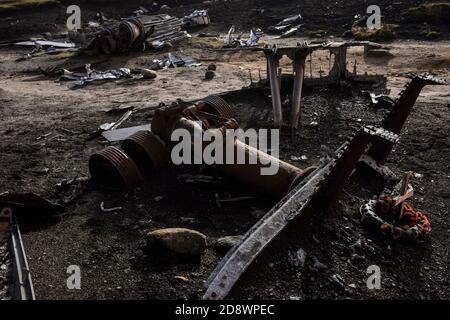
195, 119
22, 285
147, 150
123, 133
299, 71
397, 117
316, 192
220, 106
272, 66
276, 185
112, 165
384, 171
134, 32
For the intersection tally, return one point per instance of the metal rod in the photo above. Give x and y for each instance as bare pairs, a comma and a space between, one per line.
299, 70
272, 64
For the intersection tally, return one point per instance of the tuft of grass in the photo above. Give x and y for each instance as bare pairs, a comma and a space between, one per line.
21, 4
64, 55
214, 43
430, 12
385, 33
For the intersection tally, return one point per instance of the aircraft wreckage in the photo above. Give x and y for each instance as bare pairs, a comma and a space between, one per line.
302, 191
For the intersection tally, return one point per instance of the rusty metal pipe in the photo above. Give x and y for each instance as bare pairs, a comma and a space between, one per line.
276, 185
272, 63
299, 70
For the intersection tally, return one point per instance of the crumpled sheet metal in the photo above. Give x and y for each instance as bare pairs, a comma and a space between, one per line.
90, 76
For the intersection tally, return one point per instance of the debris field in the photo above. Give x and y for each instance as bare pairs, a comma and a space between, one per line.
87, 174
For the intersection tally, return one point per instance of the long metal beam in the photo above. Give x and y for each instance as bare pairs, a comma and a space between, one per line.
313, 194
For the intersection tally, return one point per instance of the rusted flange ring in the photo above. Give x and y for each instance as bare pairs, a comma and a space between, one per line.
147, 150
220, 106
113, 166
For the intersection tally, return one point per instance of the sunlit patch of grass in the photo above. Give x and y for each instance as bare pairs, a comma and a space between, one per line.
208, 42
20, 4
430, 12
385, 33
64, 55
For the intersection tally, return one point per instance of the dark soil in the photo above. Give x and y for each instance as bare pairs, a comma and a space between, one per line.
109, 247
319, 16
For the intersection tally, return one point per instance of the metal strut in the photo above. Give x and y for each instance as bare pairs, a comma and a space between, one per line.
313, 194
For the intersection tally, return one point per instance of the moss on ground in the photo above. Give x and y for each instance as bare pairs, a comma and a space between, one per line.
21, 4
431, 12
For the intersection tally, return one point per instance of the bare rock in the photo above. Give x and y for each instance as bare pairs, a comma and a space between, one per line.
379, 53
226, 243
148, 74
177, 240
297, 258
209, 75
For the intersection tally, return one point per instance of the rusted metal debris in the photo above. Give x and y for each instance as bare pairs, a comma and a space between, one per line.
376, 156
397, 117
21, 284
215, 113
123, 133
316, 192
338, 72
29, 206
313, 194
112, 165
137, 33
147, 150
150, 150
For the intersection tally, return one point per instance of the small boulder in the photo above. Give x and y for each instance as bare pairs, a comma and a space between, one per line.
179, 241
209, 75
297, 258
226, 243
148, 74
212, 67
379, 53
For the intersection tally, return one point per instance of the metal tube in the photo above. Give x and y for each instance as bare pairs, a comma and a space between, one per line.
275, 89
299, 70
276, 185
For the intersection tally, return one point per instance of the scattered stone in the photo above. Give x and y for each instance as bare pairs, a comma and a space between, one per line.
317, 265
347, 34
338, 280
357, 258
299, 159
158, 198
187, 220
314, 124
224, 244
209, 75
297, 258
177, 240
148, 74
181, 279
257, 213
356, 247
379, 53
316, 241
